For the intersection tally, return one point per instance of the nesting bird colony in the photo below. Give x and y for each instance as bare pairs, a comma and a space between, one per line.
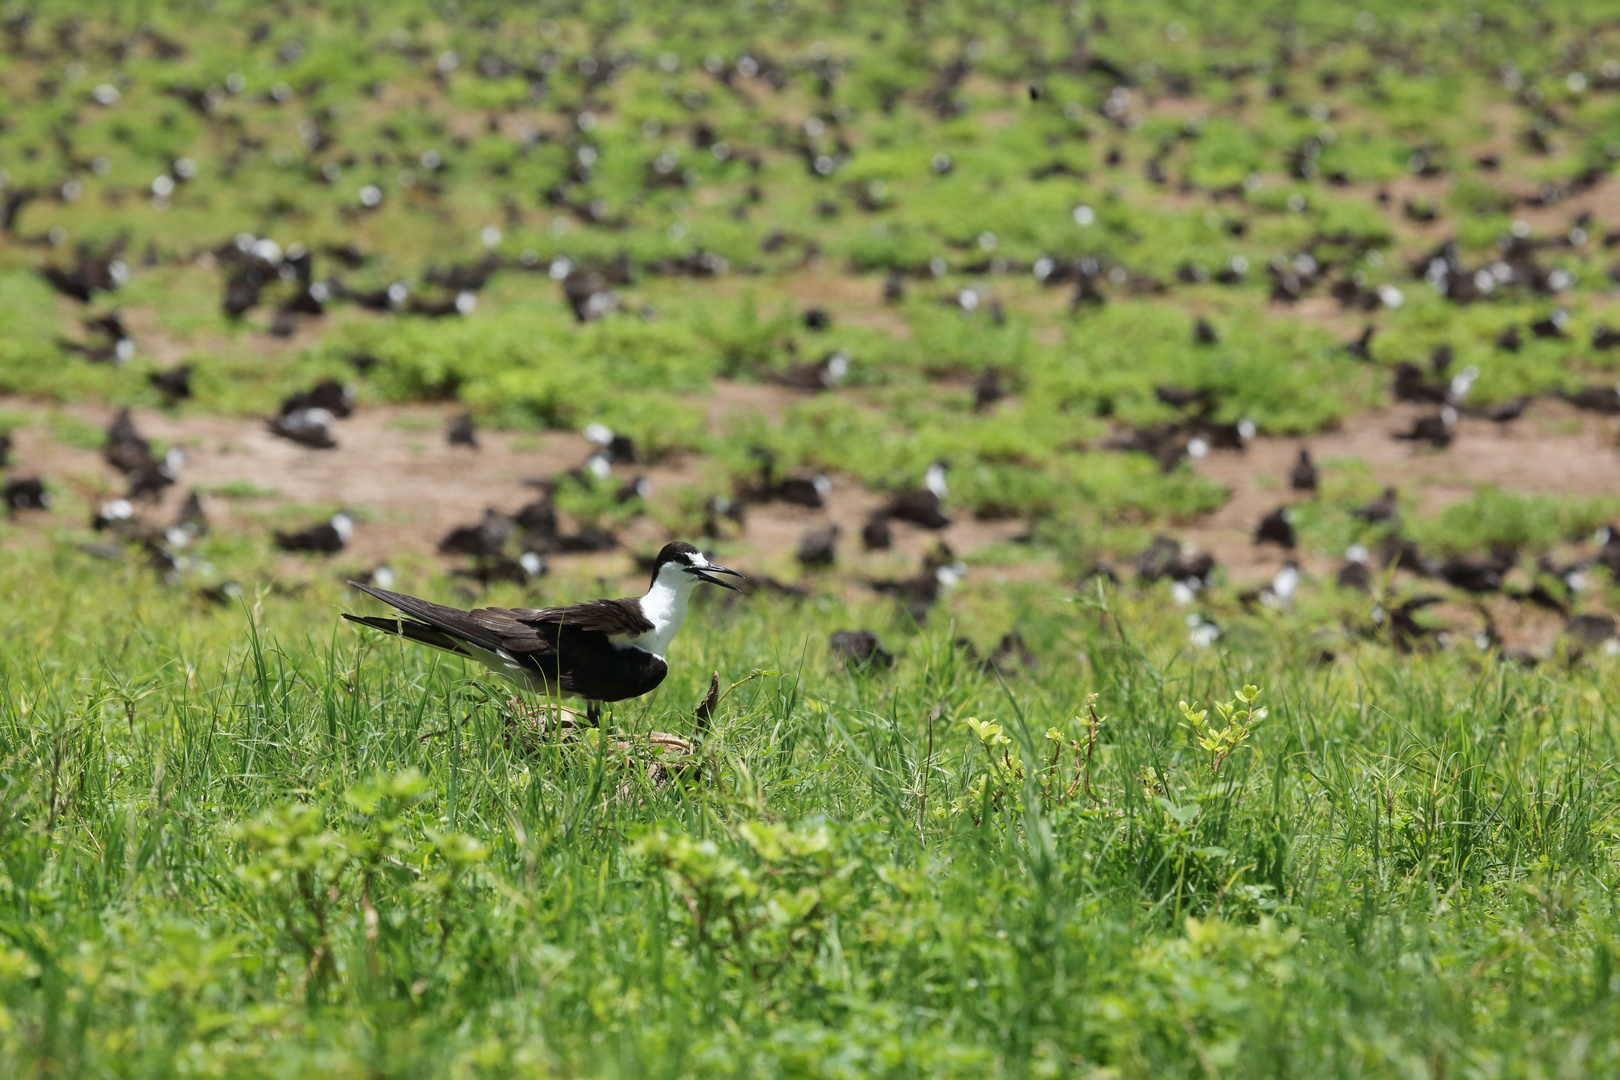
1047, 369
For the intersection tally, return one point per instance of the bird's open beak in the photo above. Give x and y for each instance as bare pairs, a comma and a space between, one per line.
702, 574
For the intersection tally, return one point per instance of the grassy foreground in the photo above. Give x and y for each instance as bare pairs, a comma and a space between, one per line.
251, 842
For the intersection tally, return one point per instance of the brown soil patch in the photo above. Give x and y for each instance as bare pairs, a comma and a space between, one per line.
1553, 449
395, 467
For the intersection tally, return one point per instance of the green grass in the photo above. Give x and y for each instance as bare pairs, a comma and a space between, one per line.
247, 839
254, 842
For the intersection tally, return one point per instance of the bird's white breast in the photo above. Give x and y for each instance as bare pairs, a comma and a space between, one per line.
665, 607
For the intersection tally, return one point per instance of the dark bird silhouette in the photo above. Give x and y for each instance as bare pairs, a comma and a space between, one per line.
152, 477
719, 509
1277, 528
1011, 652
390, 298
221, 595
807, 491
859, 650
876, 534
1434, 429
25, 493
1361, 347
91, 273
461, 303
588, 295
1550, 587
5, 449
1591, 631
637, 487
1167, 444
1509, 341
1405, 631
922, 591
1182, 397
825, 374
308, 427
335, 397
1551, 326
587, 539
1410, 384
1165, 558
126, 449
1477, 573
1506, 412
173, 383
616, 448
327, 537
1204, 332
1406, 555
12, 202
105, 352
488, 537
1302, 477
818, 548
468, 277
894, 287
462, 431
111, 325
922, 506
988, 389
1608, 556
119, 518
1355, 573
1212, 435
1604, 400
192, 518
489, 570
131, 454
810, 492
1383, 510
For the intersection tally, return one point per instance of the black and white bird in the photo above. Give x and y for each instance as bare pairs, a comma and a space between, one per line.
24, 493
1436, 429
923, 506
327, 537
1279, 595
599, 650
311, 427
1277, 528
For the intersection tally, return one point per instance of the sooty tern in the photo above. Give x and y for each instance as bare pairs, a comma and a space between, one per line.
599, 650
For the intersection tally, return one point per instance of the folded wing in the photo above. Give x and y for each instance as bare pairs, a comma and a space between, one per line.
568, 647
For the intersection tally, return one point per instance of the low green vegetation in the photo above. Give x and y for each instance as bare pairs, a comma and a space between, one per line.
244, 842
1087, 825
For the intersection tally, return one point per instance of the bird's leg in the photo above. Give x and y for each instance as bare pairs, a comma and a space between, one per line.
593, 713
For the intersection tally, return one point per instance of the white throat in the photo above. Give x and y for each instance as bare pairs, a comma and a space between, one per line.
664, 606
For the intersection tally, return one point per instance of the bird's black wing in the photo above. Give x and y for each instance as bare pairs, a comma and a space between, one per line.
568, 646
613, 618
491, 629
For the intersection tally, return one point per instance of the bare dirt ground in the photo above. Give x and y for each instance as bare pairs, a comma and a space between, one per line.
1553, 449
395, 466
